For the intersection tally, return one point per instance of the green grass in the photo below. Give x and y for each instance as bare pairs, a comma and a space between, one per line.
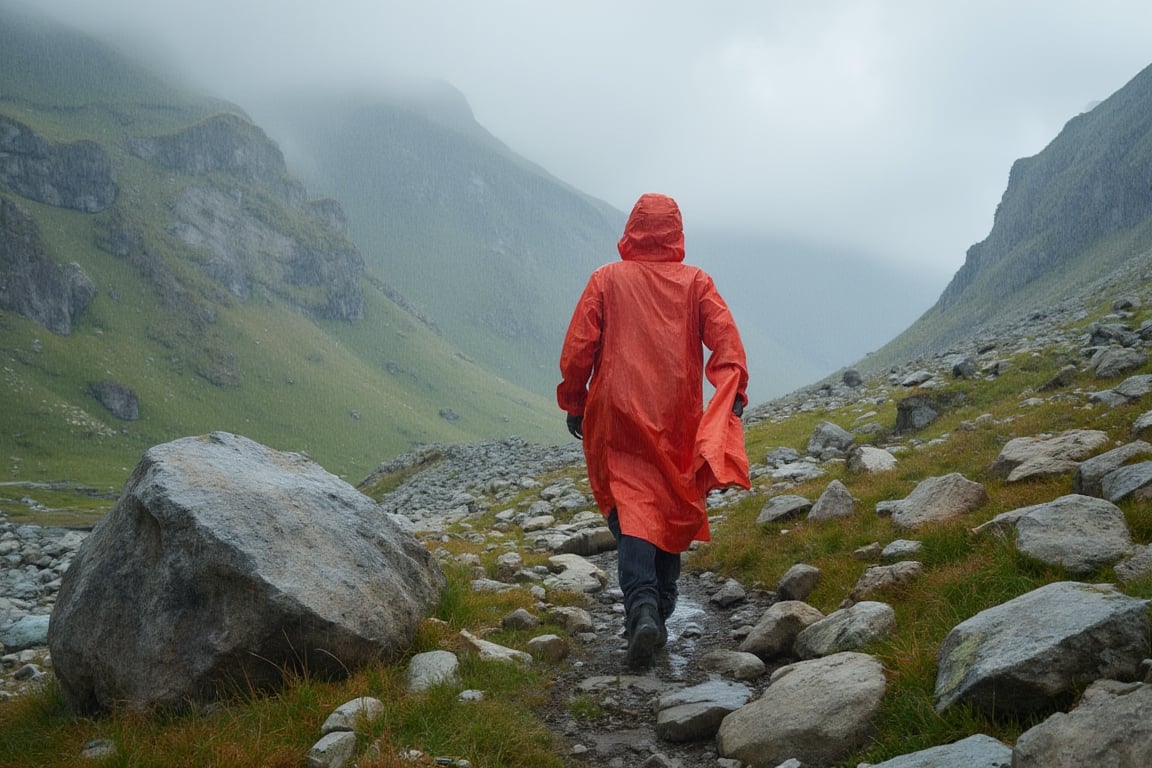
965, 573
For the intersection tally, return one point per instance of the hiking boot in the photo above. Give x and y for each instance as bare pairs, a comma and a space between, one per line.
644, 637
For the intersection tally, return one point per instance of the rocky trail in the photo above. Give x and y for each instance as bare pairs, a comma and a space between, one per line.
623, 729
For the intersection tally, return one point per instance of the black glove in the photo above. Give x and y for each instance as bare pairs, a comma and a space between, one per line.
738, 406
576, 426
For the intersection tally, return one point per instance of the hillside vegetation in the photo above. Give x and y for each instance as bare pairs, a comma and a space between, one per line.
221, 294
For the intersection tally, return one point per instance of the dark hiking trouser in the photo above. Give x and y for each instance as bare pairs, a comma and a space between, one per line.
648, 574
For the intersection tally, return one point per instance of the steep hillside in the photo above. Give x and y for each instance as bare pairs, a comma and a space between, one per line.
162, 274
489, 245
1073, 212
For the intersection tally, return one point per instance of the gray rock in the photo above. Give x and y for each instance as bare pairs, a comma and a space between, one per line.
851, 378
588, 542
869, 459
798, 582
432, 668
1082, 534
878, 577
834, 502
26, 632
1110, 726
778, 457
1091, 471
938, 498
917, 378
575, 620
1126, 481
1134, 387
775, 633
964, 368
267, 557
1114, 361
847, 629
1028, 456
519, 619
728, 595
901, 549
785, 507
334, 750
1063, 378
1138, 566
829, 440
739, 665
814, 711
549, 648
695, 713
977, 751
1142, 424
572, 573
346, 716
915, 412
1024, 655
120, 401
489, 651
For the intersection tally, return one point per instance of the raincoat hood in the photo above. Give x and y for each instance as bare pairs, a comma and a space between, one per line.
654, 232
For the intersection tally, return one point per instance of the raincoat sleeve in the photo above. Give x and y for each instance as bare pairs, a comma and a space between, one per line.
722, 459
581, 349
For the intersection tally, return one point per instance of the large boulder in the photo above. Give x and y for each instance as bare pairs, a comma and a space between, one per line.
1090, 472
937, 498
1081, 534
224, 564
1025, 457
1110, 726
1031, 653
815, 711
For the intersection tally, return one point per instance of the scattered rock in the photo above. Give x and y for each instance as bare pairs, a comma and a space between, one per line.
1029, 654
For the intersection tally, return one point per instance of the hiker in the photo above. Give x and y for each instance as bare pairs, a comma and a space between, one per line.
632, 370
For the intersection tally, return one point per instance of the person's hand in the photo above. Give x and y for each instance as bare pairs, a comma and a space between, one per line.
576, 426
738, 406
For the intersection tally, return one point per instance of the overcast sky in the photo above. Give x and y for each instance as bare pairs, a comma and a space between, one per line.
880, 128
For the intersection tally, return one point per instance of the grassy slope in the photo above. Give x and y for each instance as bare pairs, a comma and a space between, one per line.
389, 369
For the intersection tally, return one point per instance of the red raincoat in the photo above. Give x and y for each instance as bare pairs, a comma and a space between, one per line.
637, 332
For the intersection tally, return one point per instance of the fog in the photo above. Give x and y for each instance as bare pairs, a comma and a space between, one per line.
882, 132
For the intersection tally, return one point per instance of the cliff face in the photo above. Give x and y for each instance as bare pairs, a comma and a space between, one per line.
31, 283
78, 175
1093, 180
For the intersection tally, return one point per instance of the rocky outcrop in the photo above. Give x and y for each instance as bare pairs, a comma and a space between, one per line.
120, 400
266, 557
240, 251
227, 144
78, 176
31, 283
